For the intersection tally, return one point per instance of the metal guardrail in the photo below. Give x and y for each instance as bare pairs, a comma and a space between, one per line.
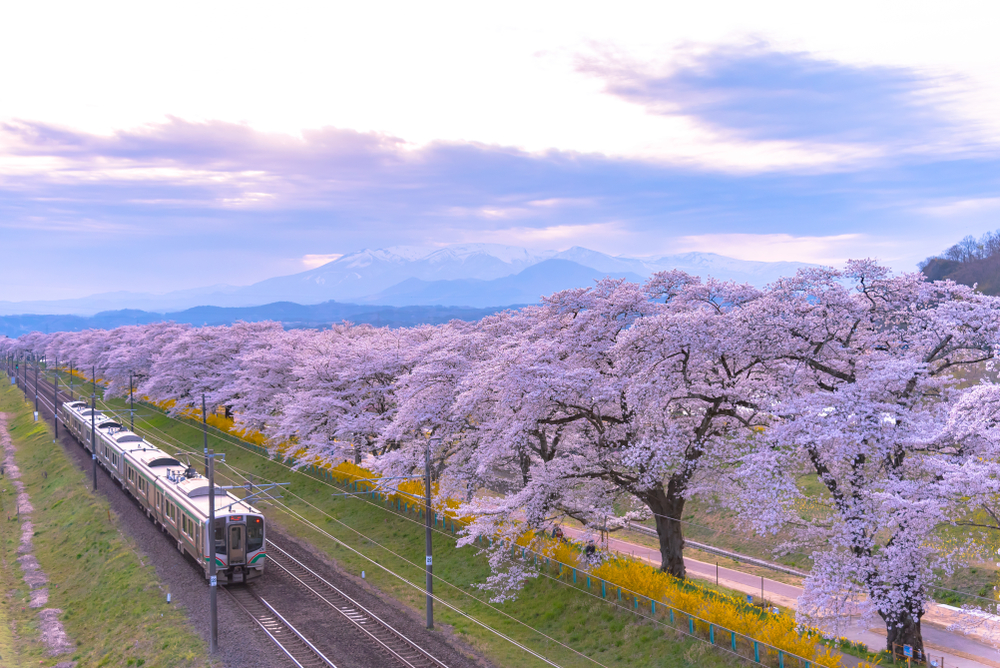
735, 556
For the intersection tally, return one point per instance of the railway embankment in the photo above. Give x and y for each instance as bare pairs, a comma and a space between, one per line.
76, 591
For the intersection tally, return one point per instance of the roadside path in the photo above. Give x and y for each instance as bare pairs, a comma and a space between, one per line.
51, 630
959, 651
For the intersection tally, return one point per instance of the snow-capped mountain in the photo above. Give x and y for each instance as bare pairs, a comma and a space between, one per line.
456, 275
371, 275
367, 272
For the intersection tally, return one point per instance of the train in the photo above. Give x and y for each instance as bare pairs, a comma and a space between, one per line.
175, 496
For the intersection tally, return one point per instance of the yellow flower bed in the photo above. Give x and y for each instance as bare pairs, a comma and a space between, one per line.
777, 630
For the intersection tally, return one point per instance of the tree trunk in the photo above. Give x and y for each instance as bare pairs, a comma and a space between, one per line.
905, 631
668, 509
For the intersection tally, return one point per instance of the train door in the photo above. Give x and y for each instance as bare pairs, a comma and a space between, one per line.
237, 544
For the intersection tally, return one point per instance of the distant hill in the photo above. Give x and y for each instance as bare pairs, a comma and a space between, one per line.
972, 262
291, 315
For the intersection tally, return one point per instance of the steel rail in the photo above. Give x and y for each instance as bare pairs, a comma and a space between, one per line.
295, 646
406, 651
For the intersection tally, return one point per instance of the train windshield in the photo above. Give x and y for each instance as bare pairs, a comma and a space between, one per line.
220, 536
255, 533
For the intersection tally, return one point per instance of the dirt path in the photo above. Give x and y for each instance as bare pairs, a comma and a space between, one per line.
53, 635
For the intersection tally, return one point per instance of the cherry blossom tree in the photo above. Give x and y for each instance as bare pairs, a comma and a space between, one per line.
261, 385
203, 361
866, 403
344, 396
698, 378
427, 414
616, 394
127, 359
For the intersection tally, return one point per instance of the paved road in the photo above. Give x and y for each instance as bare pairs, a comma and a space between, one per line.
958, 651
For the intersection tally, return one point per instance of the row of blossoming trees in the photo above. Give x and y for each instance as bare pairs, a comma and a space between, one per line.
638, 397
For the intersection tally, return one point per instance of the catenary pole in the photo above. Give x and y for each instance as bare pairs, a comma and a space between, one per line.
55, 405
213, 645
131, 404
93, 423
93, 432
428, 517
36, 384
204, 428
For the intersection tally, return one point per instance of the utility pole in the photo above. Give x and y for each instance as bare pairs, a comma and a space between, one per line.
71, 381
204, 427
428, 517
131, 404
55, 405
93, 432
36, 385
213, 589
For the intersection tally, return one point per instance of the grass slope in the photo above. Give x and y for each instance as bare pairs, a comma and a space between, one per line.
113, 605
603, 633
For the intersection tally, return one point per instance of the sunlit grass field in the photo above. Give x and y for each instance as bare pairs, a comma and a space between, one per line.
113, 606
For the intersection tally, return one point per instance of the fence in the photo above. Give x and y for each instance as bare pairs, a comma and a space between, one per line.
914, 657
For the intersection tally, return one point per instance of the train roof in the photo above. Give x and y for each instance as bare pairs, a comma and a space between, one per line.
195, 487
154, 458
168, 472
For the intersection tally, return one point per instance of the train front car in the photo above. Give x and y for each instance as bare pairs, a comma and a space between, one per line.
240, 551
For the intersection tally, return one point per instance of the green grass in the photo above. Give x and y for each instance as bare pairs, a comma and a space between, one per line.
114, 607
10, 648
598, 629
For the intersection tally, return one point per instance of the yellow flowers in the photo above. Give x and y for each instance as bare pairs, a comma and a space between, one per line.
777, 630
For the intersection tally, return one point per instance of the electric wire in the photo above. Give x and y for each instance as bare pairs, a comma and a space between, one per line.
403, 579
459, 589
306, 521
359, 495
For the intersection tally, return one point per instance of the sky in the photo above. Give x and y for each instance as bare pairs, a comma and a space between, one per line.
153, 148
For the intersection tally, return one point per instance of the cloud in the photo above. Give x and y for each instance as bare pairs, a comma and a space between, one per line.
761, 94
826, 250
556, 237
313, 261
963, 207
229, 204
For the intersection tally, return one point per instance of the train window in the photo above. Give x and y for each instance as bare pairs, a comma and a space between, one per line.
255, 533
220, 535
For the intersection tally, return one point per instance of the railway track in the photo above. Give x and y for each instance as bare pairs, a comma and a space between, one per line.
394, 644
288, 639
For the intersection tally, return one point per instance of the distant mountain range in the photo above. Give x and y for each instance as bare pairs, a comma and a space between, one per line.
291, 315
465, 275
